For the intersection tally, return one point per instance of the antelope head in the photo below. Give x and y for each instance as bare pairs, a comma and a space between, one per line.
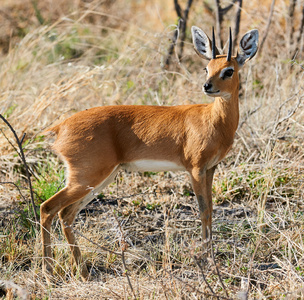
222, 70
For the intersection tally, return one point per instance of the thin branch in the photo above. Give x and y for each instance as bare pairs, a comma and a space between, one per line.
217, 270
186, 11
267, 26
219, 20
290, 20
219, 16
173, 44
301, 26
16, 186
180, 31
290, 113
124, 247
178, 9
22, 139
224, 10
12, 145
204, 277
248, 114
22, 156
297, 48
251, 263
127, 273
91, 241
115, 294
184, 27
195, 289
237, 23
294, 62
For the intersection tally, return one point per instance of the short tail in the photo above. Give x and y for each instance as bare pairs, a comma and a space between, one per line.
53, 130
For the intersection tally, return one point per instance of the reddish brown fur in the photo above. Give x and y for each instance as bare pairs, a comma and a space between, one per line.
121, 134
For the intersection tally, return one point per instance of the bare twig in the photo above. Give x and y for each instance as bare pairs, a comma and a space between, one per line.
219, 20
290, 113
294, 62
8, 140
196, 290
228, 7
173, 44
290, 30
237, 23
183, 28
297, 48
178, 9
127, 271
202, 272
219, 16
302, 25
16, 186
217, 270
22, 156
91, 241
180, 31
249, 114
124, 247
251, 263
115, 294
267, 26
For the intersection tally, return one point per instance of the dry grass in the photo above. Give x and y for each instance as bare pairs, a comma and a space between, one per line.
112, 53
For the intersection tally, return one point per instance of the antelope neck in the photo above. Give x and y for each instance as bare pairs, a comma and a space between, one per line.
227, 111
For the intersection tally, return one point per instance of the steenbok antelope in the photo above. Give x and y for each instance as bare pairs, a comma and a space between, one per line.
96, 143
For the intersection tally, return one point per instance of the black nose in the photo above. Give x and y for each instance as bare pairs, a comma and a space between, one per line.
207, 86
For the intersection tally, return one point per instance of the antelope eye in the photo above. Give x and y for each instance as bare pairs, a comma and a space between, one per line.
228, 73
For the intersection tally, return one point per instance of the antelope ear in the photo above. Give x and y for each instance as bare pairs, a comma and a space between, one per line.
248, 47
202, 43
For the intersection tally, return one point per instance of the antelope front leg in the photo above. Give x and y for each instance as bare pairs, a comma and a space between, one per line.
202, 185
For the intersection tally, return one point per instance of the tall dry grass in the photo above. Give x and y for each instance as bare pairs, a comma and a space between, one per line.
111, 52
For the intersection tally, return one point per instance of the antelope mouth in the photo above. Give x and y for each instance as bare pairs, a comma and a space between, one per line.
211, 93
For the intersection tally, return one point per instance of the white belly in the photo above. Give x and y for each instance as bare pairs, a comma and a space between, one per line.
150, 165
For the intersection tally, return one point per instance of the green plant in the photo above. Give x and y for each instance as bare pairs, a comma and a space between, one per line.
49, 181
9, 111
152, 206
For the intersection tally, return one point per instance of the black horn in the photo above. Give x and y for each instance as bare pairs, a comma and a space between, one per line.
230, 46
213, 45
